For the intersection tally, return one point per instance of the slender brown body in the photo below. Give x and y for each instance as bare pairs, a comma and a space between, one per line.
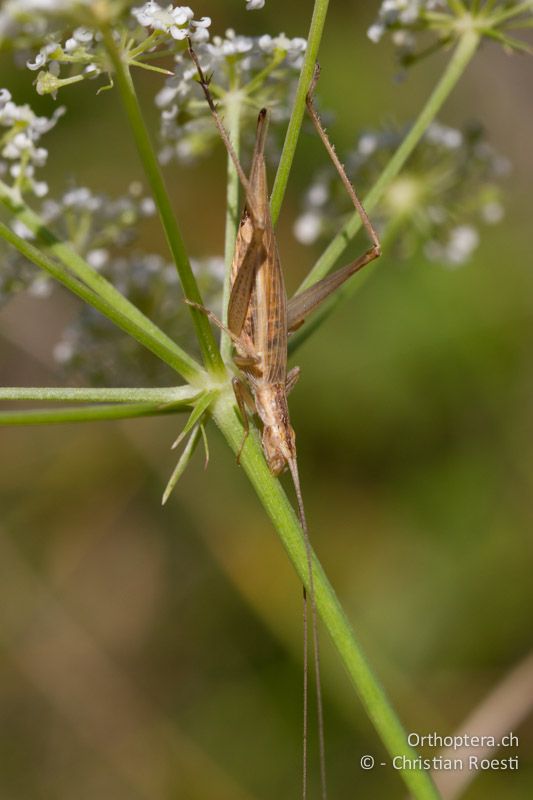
260, 319
260, 324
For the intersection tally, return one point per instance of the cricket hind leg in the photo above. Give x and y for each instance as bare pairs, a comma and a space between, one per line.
307, 301
375, 249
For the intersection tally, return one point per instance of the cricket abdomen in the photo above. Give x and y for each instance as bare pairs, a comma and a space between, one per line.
278, 439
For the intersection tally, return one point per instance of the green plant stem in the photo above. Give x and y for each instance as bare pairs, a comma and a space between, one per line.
316, 28
76, 265
267, 487
509, 41
258, 80
48, 416
457, 7
210, 351
162, 346
285, 521
463, 54
232, 122
497, 18
176, 395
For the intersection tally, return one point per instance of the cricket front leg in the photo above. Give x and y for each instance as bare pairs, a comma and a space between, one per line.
250, 358
244, 399
307, 301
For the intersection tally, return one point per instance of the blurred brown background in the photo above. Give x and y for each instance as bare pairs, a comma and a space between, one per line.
156, 653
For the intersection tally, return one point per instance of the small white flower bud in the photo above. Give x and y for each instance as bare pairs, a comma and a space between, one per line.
307, 227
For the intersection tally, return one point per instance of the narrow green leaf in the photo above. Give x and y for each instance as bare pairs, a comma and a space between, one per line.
509, 14
232, 121
206, 446
49, 416
151, 68
161, 346
198, 411
510, 42
210, 351
145, 331
182, 463
175, 395
320, 10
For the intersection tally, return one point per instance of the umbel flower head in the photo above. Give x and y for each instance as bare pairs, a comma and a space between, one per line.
448, 187
77, 52
419, 27
102, 230
246, 71
93, 349
25, 24
96, 226
20, 149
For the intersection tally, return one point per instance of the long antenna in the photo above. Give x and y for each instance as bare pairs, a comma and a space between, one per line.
259, 227
293, 466
204, 83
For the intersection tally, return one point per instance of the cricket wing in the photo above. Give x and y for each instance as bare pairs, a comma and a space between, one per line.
250, 244
248, 257
270, 314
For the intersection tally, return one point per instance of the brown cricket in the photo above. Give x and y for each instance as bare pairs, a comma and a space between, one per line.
260, 319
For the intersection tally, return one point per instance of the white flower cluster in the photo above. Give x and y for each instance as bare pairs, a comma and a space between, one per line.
448, 186
419, 27
253, 71
149, 28
253, 5
457, 248
105, 223
395, 14
93, 349
17, 274
75, 48
406, 20
95, 225
21, 152
27, 20
176, 21
81, 52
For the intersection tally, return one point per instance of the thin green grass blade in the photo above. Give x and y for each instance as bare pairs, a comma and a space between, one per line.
48, 416
198, 411
182, 464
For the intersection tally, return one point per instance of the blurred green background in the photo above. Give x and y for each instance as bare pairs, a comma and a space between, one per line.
156, 653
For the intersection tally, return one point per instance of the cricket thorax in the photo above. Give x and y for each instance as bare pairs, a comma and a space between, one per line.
279, 441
